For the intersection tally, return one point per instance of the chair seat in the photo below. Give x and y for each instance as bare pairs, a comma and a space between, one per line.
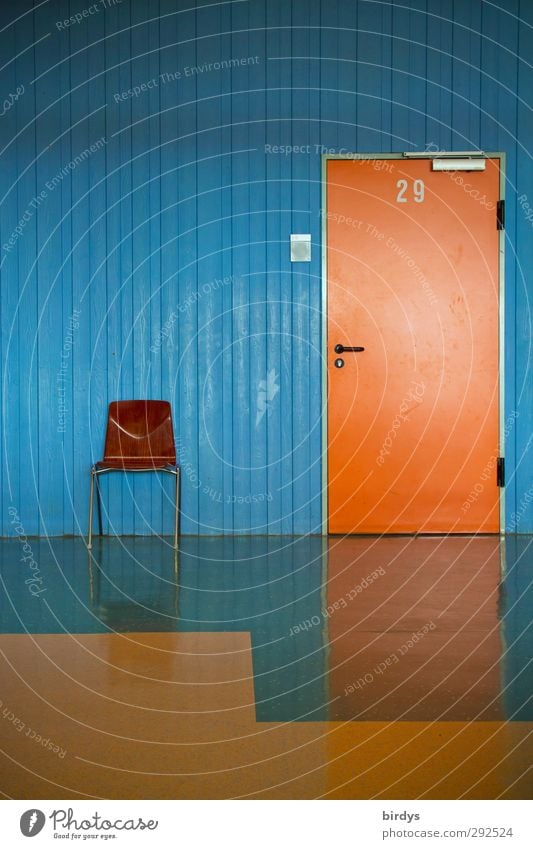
135, 464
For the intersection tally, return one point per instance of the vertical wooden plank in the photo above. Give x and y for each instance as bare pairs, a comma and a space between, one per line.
369, 77
63, 281
51, 319
277, 133
519, 444
305, 203
315, 398
142, 485
285, 379
226, 303
13, 160
330, 22
162, 489
386, 145
243, 403
212, 50
439, 75
108, 339
466, 76
125, 388
78, 146
93, 318
146, 488
329, 131
187, 379
348, 70
418, 72
263, 397
373, 55
164, 343
400, 78
163, 330
26, 191
117, 487
87, 446
409, 86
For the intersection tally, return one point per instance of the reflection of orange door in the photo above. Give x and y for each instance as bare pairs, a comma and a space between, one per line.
413, 278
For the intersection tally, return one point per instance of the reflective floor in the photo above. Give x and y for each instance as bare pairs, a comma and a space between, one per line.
263, 667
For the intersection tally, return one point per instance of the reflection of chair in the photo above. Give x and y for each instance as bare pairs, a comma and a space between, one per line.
139, 438
134, 584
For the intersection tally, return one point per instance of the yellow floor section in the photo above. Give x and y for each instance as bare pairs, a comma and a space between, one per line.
172, 716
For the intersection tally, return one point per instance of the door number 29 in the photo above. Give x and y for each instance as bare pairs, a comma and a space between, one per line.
418, 191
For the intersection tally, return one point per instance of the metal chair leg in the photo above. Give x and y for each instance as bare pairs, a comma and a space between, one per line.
90, 541
95, 483
99, 504
177, 518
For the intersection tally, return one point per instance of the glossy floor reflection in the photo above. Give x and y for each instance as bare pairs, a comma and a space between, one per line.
267, 666
359, 628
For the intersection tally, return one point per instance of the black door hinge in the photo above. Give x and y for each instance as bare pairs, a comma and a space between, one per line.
500, 472
500, 215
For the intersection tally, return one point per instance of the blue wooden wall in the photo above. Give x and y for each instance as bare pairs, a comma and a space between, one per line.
144, 237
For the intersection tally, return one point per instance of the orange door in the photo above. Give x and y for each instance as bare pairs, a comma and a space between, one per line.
413, 278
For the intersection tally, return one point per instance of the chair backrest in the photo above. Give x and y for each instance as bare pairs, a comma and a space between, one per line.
140, 431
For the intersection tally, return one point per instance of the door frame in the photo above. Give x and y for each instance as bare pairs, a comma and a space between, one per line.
326, 157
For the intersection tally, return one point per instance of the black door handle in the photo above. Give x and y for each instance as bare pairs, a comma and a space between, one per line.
340, 349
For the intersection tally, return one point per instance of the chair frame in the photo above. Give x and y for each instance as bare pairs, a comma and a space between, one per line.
95, 472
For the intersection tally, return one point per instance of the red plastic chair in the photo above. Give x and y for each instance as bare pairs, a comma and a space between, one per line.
139, 438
